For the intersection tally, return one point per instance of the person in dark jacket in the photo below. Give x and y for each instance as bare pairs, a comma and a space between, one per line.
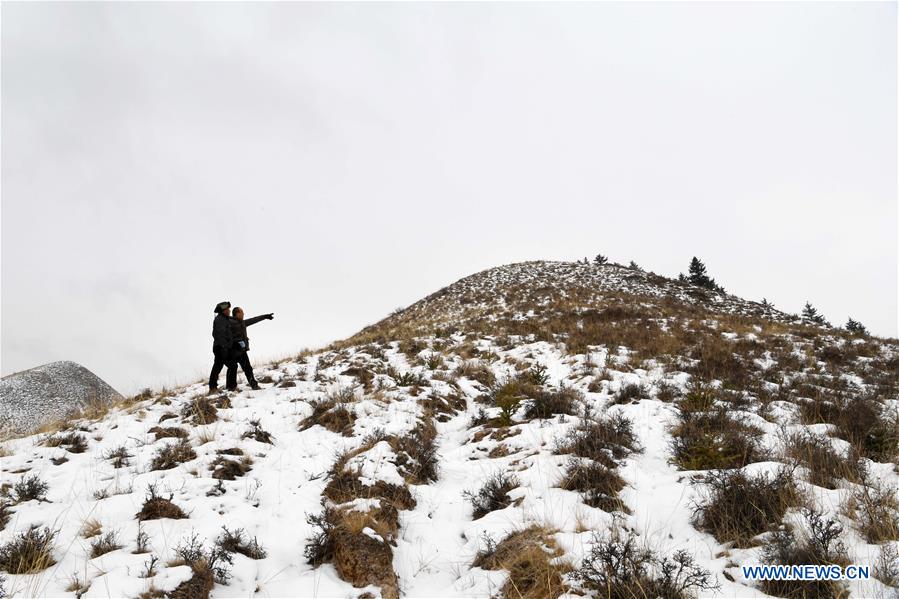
222, 340
240, 345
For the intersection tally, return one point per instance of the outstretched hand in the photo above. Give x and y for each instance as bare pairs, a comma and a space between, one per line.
270, 316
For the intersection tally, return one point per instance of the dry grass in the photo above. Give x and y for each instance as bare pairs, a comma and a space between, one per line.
358, 558
476, 370
629, 393
29, 552
531, 558
200, 410
825, 466
333, 414
77, 587
875, 508
346, 486
172, 455
91, 528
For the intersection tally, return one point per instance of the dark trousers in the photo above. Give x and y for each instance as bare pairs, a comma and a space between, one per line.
241, 358
222, 359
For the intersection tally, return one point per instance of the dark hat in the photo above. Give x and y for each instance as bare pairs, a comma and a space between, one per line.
221, 306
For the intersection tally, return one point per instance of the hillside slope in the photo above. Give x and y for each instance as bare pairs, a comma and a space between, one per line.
506, 436
50, 392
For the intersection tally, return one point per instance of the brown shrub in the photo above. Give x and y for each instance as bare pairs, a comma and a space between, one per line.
346, 486
258, 433
875, 507
605, 440
166, 432
717, 361
31, 551
358, 558
818, 545
71, 442
629, 393
173, 454
157, 507
104, 544
236, 542
361, 560
200, 410
30, 487
550, 403
207, 568
868, 426
529, 557
714, 440
225, 469
826, 467
476, 370
5, 514
334, 416
417, 459
598, 485
119, 456
621, 569
738, 507
493, 495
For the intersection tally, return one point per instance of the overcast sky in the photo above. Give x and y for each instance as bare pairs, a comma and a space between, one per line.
331, 162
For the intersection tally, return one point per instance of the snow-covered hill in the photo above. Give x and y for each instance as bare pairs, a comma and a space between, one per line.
507, 436
50, 392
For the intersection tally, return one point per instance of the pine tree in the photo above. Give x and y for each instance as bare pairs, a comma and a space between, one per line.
634, 266
600, 259
766, 304
810, 315
698, 274
700, 278
854, 326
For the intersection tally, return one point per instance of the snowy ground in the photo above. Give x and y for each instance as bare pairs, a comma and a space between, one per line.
438, 539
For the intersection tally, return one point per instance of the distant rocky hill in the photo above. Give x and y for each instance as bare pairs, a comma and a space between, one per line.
50, 392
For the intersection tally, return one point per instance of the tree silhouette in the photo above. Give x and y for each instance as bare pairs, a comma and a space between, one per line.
699, 277
854, 326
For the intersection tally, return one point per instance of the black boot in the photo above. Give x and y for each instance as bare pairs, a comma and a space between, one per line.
254, 385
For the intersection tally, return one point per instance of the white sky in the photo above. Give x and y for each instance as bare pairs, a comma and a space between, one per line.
331, 162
